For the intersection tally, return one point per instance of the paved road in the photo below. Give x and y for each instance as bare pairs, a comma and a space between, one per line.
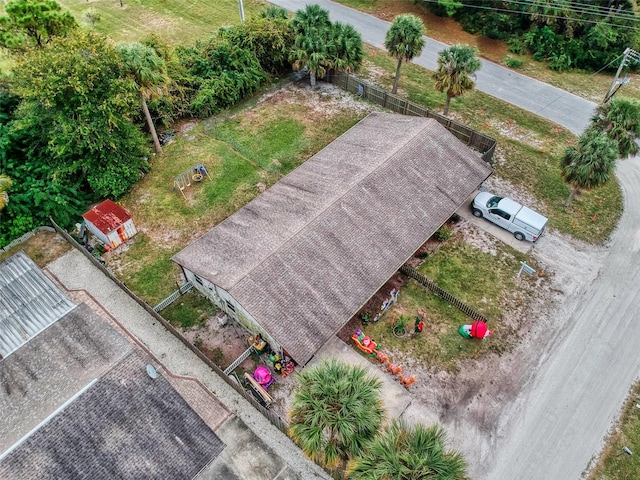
568, 410
540, 98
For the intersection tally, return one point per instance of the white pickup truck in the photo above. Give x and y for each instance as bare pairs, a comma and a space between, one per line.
524, 223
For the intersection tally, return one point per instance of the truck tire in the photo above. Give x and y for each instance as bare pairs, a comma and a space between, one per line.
519, 236
477, 213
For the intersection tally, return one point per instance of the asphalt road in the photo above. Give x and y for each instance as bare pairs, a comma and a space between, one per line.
557, 105
567, 411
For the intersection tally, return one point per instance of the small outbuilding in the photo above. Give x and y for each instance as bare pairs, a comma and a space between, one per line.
110, 223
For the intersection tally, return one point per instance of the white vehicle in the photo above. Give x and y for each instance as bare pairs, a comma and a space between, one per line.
524, 223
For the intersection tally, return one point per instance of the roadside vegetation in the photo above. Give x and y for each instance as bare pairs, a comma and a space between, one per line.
216, 93
584, 83
615, 462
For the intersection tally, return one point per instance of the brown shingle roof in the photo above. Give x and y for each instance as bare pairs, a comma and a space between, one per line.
305, 255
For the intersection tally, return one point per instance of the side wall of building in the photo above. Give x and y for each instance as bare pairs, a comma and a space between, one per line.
225, 301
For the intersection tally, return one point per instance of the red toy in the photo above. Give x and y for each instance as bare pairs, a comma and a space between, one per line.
364, 343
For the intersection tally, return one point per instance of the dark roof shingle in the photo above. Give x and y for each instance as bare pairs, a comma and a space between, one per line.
305, 255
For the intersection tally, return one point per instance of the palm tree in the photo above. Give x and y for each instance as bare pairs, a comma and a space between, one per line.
150, 74
345, 48
590, 163
404, 452
336, 410
404, 41
620, 120
311, 27
5, 185
456, 65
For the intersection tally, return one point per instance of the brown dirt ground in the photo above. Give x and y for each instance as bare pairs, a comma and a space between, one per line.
443, 29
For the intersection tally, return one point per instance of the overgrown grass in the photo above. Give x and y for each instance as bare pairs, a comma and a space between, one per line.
614, 463
528, 154
482, 280
178, 22
256, 146
190, 310
42, 248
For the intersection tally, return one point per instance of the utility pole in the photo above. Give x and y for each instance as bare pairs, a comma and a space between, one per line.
241, 10
629, 56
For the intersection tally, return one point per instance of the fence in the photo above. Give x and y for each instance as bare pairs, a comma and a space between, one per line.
271, 416
459, 304
483, 143
173, 297
26, 237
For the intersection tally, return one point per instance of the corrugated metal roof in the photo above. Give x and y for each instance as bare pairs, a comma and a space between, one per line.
305, 255
29, 302
107, 216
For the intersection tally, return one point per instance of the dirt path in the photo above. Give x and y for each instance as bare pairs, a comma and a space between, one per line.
556, 425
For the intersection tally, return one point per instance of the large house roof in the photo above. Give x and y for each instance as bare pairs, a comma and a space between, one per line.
305, 255
29, 302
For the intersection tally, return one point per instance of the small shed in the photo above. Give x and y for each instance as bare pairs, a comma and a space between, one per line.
110, 223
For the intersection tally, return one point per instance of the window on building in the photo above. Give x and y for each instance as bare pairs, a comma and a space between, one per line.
230, 306
197, 279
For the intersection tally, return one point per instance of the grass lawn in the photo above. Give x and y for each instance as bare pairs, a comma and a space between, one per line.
241, 152
190, 310
482, 280
176, 21
614, 463
528, 154
585, 84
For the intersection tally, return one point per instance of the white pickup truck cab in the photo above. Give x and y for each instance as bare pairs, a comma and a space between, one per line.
524, 223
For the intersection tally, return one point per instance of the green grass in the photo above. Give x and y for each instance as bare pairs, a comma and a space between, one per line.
190, 310
259, 145
179, 22
528, 153
482, 280
614, 463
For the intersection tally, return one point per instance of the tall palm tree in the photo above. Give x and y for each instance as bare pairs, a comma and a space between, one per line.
345, 47
456, 66
404, 41
150, 74
403, 452
5, 185
590, 163
620, 120
336, 410
311, 27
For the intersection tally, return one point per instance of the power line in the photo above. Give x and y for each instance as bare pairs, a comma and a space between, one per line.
520, 12
574, 7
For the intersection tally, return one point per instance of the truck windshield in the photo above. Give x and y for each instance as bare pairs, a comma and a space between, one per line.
493, 202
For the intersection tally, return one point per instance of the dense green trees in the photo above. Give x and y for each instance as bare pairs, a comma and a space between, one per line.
321, 46
456, 65
149, 72
33, 23
5, 185
619, 119
404, 41
404, 452
588, 35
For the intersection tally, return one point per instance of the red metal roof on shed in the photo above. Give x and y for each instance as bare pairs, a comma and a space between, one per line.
107, 216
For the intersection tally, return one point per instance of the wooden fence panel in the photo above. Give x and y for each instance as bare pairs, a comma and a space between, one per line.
483, 143
442, 293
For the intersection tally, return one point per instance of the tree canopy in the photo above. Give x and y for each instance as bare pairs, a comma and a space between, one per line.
590, 163
404, 41
336, 410
403, 452
619, 119
33, 23
456, 66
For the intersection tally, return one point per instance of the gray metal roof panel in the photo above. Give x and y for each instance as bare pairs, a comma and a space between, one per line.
29, 302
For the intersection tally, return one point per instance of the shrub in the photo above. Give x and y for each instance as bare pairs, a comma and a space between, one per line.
513, 62
443, 234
